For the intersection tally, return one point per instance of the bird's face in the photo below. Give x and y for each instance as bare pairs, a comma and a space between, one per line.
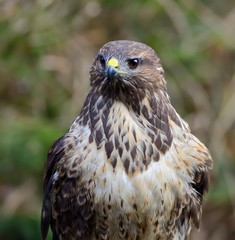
127, 66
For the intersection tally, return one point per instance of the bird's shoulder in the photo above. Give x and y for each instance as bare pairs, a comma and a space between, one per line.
58, 155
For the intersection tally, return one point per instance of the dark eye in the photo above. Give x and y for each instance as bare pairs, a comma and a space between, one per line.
133, 63
102, 61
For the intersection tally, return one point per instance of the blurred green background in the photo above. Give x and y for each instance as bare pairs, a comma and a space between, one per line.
46, 48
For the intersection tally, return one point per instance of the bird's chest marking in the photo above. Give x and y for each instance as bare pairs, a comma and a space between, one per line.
127, 138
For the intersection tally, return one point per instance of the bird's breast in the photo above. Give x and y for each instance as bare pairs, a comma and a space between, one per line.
133, 180
144, 200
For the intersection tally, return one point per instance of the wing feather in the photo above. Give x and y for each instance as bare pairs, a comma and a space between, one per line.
68, 200
55, 153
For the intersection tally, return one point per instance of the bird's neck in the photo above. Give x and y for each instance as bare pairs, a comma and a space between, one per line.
98, 107
108, 118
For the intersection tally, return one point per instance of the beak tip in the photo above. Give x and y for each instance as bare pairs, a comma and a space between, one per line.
111, 72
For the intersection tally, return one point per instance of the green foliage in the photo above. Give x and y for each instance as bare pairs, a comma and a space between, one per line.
20, 227
23, 147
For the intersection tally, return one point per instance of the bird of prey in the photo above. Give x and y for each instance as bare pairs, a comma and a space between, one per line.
128, 167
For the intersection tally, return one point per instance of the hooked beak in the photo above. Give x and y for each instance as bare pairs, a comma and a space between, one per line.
112, 65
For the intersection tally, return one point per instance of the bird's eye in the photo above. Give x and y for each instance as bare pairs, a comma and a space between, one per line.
133, 63
102, 61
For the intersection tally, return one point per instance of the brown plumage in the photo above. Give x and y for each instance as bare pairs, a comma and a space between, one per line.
128, 168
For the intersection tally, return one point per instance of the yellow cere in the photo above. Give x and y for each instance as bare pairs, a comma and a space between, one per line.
113, 62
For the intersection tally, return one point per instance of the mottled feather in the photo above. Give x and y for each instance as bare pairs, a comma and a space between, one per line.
129, 167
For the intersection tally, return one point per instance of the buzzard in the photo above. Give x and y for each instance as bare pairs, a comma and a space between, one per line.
129, 167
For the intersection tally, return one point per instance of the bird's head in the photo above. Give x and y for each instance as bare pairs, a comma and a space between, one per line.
126, 68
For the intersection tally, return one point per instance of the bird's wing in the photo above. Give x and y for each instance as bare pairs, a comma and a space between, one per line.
56, 152
200, 183
67, 204
195, 163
